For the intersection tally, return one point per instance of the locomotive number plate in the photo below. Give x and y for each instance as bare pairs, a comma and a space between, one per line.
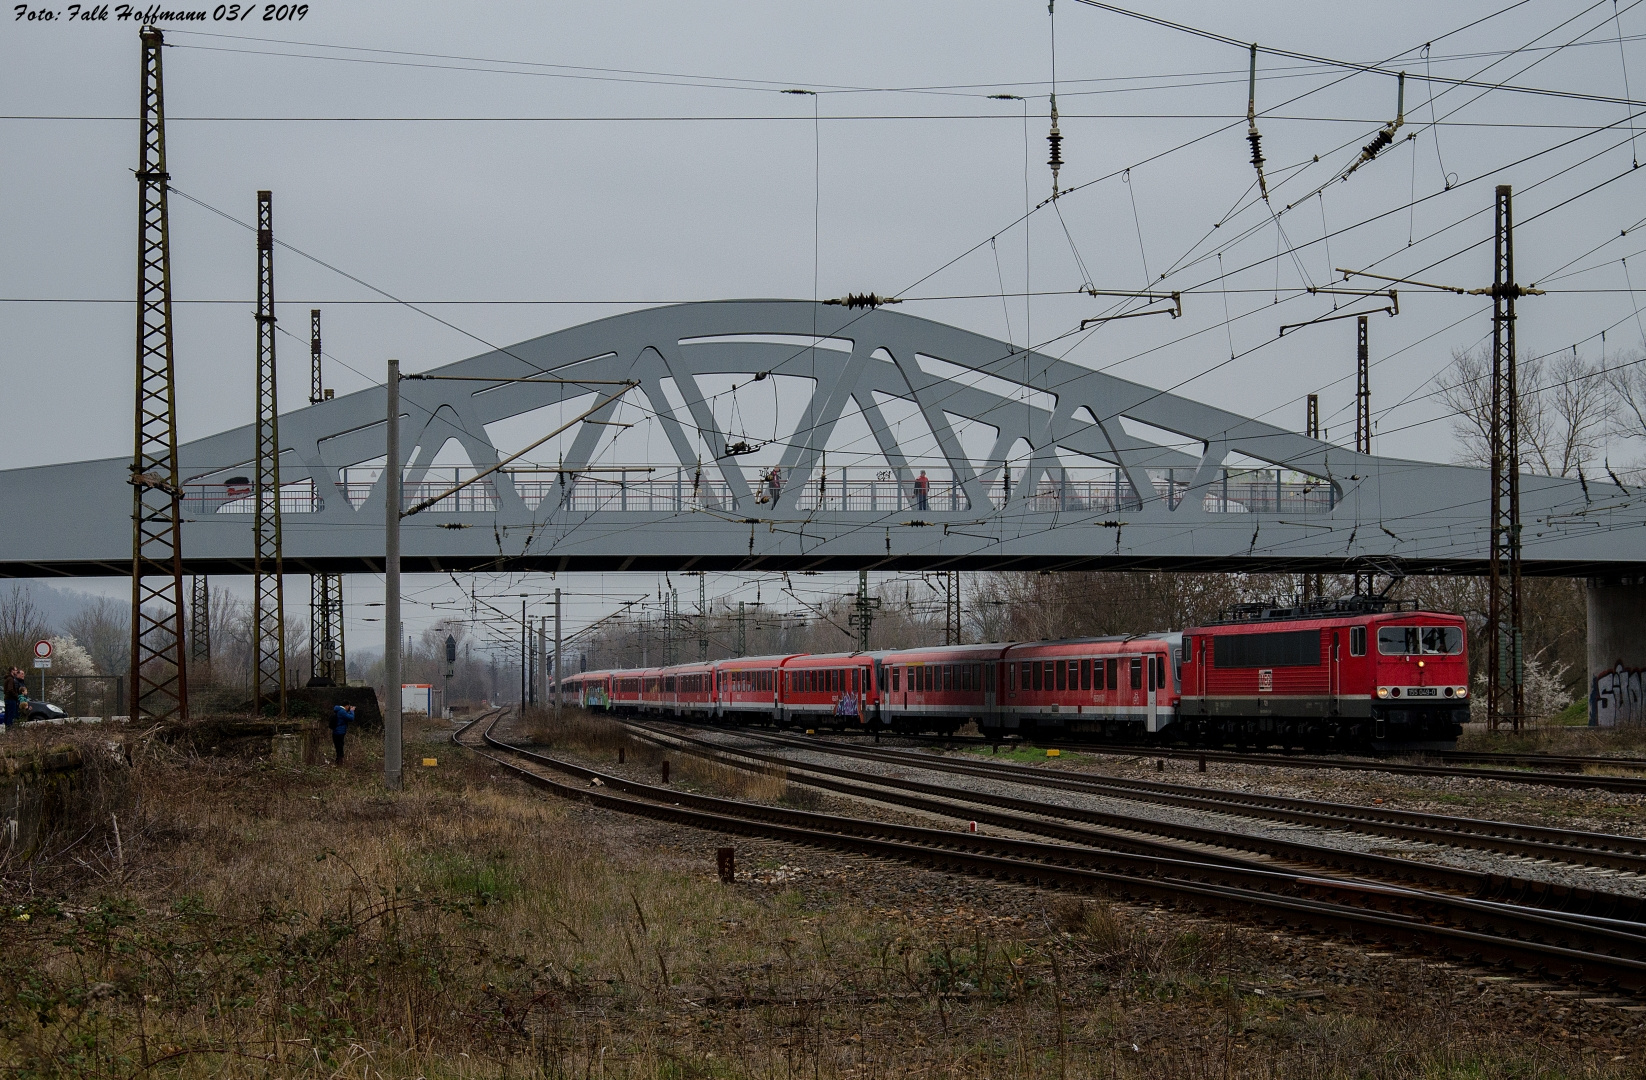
1265, 681
1423, 691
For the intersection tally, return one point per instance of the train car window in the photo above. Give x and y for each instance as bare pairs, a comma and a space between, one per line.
896, 672
1086, 674
948, 677
928, 677
977, 677
1048, 666
1026, 665
1011, 676
856, 676
1097, 673
1035, 670
1062, 674
1397, 640
1445, 640
1111, 672
1137, 673
1357, 641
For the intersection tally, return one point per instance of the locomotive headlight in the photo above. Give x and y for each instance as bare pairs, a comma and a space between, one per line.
1463, 691
1383, 691
1421, 663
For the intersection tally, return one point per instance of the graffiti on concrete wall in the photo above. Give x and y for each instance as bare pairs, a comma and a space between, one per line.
1619, 697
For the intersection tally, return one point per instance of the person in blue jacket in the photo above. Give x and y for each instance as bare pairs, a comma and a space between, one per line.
341, 717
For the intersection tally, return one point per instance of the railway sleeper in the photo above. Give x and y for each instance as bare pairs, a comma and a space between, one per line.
1242, 902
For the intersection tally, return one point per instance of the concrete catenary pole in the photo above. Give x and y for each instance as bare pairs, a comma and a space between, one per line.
391, 586
557, 654
543, 684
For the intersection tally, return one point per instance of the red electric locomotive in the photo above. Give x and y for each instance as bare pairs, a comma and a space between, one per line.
1347, 672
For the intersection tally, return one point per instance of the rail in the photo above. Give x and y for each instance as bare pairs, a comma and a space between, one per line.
1584, 950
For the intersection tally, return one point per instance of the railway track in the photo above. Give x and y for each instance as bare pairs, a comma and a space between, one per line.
1602, 850
1583, 949
1129, 833
1511, 768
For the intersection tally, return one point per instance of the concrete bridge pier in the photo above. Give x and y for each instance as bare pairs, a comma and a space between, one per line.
1617, 650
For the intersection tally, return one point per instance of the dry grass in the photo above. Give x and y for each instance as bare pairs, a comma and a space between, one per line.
263, 922
598, 738
1559, 739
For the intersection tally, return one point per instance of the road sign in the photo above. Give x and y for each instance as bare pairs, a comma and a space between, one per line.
42, 649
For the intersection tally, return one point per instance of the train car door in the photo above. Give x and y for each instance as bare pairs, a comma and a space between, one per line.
1152, 663
1334, 679
990, 688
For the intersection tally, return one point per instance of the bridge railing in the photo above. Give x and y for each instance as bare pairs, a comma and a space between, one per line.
236, 498
647, 489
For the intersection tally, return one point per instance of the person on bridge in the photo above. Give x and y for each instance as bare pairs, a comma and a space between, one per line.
922, 489
776, 482
341, 717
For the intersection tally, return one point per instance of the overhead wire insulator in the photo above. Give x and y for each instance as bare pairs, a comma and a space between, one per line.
1252, 135
1055, 139
852, 300
1386, 134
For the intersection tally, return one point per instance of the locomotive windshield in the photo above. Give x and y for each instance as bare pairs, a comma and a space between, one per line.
1410, 640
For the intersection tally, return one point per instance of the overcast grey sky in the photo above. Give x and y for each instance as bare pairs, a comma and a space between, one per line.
579, 160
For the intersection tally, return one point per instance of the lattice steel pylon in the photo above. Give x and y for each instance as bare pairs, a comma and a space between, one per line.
330, 660
159, 675
861, 616
1313, 584
702, 618
200, 625
951, 608
1505, 688
269, 599
327, 663
1363, 421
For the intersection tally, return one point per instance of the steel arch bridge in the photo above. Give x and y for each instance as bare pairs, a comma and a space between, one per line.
1207, 489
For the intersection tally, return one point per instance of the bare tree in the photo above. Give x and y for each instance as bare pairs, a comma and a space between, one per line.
103, 629
1627, 379
1566, 410
22, 623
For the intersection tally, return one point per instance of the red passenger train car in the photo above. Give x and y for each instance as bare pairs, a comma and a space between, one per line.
748, 688
1348, 672
833, 690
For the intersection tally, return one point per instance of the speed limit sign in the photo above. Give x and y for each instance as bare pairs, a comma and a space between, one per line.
42, 653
